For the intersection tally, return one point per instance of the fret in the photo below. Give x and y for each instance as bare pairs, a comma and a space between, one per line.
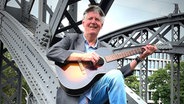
123, 54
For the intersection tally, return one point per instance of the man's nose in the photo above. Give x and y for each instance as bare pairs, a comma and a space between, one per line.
93, 20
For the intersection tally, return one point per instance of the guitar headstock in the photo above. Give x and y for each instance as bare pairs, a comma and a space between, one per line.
164, 46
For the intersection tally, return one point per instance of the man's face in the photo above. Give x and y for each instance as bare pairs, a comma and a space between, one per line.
92, 23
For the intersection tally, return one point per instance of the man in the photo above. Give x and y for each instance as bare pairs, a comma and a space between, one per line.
110, 87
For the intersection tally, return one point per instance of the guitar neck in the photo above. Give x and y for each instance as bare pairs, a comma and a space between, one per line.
124, 54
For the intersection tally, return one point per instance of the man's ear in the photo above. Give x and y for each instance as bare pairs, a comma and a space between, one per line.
82, 22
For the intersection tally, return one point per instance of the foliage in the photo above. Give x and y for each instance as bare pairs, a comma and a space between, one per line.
160, 82
10, 74
133, 83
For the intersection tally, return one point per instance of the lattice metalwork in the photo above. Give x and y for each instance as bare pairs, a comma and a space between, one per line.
175, 68
144, 69
161, 30
175, 78
27, 38
30, 58
10, 79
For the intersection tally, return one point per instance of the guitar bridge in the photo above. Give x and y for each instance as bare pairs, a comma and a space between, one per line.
82, 68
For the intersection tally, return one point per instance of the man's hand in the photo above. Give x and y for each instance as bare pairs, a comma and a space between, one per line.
93, 57
149, 49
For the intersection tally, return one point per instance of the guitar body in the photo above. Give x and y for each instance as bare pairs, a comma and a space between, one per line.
76, 77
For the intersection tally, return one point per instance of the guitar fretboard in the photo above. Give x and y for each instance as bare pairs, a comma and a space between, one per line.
123, 54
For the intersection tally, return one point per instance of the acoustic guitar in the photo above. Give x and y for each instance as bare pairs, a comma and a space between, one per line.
77, 77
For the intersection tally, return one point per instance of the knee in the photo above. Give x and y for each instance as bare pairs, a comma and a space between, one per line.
115, 78
115, 75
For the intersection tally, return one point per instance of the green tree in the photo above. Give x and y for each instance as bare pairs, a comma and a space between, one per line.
160, 82
133, 83
10, 74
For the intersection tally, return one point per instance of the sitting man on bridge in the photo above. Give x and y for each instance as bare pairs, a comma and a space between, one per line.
110, 86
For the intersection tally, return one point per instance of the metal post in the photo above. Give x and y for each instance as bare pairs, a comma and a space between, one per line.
144, 70
175, 79
1, 55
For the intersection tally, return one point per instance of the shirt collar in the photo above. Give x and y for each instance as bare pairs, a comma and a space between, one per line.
86, 43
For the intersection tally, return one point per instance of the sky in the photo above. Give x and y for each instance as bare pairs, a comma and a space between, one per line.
128, 12
124, 12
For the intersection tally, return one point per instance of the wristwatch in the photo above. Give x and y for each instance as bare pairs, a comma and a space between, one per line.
138, 59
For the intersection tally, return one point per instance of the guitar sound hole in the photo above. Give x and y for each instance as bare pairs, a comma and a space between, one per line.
100, 62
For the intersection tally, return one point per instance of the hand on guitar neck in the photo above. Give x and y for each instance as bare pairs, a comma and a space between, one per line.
148, 50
